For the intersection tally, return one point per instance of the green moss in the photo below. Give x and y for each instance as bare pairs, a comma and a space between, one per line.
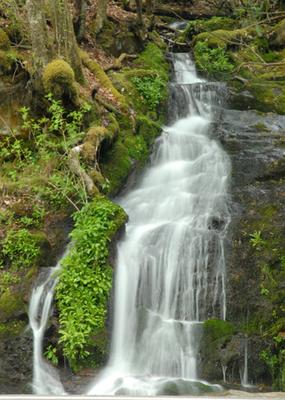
270, 96
152, 58
217, 329
147, 128
4, 40
225, 39
7, 61
102, 77
116, 165
86, 277
11, 329
11, 304
207, 25
59, 79
278, 35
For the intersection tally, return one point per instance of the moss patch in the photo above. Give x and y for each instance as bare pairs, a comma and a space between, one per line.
59, 79
4, 40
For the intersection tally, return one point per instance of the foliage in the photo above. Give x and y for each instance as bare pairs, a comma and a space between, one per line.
86, 277
21, 248
214, 61
7, 279
218, 329
50, 137
256, 240
150, 88
51, 354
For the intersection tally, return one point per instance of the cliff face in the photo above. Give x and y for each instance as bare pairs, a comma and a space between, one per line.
255, 265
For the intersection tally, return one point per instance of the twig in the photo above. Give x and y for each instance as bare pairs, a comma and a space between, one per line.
65, 195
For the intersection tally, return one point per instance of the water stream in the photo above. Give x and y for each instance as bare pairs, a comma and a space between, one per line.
171, 265
170, 272
45, 377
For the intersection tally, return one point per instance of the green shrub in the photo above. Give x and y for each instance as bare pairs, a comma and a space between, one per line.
86, 277
21, 248
150, 88
214, 61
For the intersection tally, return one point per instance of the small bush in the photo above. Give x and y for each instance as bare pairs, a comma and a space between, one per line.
21, 248
86, 277
150, 88
214, 61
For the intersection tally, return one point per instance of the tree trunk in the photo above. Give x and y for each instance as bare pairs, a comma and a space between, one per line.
65, 40
139, 12
80, 21
39, 34
101, 15
150, 6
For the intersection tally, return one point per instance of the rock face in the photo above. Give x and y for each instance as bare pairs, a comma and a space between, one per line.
255, 265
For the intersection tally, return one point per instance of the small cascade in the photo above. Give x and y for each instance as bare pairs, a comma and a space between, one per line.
224, 370
45, 377
244, 372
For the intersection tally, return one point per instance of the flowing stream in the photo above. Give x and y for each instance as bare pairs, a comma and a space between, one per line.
170, 273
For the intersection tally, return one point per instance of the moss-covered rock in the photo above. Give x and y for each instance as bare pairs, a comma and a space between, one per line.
11, 305
277, 35
207, 25
225, 38
59, 80
8, 60
4, 41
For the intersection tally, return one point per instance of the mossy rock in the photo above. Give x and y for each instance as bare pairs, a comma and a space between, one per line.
116, 165
11, 329
225, 39
277, 35
7, 62
207, 25
147, 128
4, 40
59, 79
270, 96
11, 305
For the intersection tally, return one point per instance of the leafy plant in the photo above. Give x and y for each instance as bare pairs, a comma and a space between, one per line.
86, 277
256, 240
21, 248
51, 354
214, 61
150, 88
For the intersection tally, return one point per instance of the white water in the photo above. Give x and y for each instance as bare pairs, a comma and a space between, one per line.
171, 266
45, 377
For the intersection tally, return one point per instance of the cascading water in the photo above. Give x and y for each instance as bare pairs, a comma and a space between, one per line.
45, 377
170, 273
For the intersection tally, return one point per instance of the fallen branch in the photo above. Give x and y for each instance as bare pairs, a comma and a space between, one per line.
75, 167
65, 195
117, 64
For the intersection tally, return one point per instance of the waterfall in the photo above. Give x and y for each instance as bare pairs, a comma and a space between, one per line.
45, 377
170, 273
